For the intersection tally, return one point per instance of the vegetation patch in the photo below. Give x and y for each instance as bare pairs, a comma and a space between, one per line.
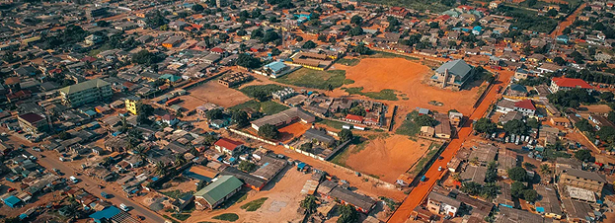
170, 219
529, 20
331, 123
181, 217
176, 193
348, 81
422, 163
258, 91
304, 77
409, 127
386, 94
348, 62
383, 54
267, 107
254, 205
340, 158
227, 217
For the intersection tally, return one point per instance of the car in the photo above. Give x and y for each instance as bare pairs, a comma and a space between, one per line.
440, 169
441, 157
124, 207
36, 149
33, 157
20, 131
140, 217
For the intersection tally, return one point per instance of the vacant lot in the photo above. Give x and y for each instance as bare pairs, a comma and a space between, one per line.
348, 62
309, 78
267, 107
385, 157
214, 93
293, 130
405, 79
256, 91
386, 94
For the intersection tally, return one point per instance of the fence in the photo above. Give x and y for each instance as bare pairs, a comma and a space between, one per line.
252, 136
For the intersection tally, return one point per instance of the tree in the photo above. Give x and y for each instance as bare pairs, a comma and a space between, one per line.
357, 20
566, 31
161, 169
531, 3
492, 174
425, 120
270, 36
606, 134
269, 131
528, 166
516, 127
607, 96
247, 61
584, 126
583, 155
434, 25
309, 204
299, 38
246, 166
530, 195
64, 135
345, 135
358, 110
545, 169
179, 160
471, 188
309, 45
516, 189
362, 49
552, 13
146, 57
517, 174
559, 61
355, 31
348, 214
141, 153
322, 38
484, 125
307, 147
214, 114
197, 8
103, 23
275, 51
240, 118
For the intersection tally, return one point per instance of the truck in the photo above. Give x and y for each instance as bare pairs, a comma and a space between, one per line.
74, 179
124, 207
423, 178
105, 195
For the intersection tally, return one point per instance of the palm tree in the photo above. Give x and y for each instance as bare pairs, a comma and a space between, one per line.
545, 169
309, 204
456, 177
161, 169
474, 161
179, 160
141, 153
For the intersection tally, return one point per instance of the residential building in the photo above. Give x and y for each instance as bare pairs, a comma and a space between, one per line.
217, 192
582, 179
454, 74
228, 146
564, 84
131, 104
526, 107
32, 122
95, 90
441, 204
285, 117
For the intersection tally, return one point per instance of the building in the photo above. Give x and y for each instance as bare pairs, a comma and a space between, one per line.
443, 128
221, 3
285, 117
131, 104
562, 83
276, 69
330, 190
172, 41
455, 118
95, 90
217, 192
526, 107
224, 145
441, 204
508, 214
582, 179
32, 122
549, 204
454, 74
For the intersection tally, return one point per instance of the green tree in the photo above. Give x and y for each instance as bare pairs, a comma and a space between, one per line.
146, 57
607, 96
309, 45
492, 172
240, 118
247, 61
355, 31
545, 169
358, 110
517, 174
214, 114
584, 125
529, 166
533, 123
362, 49
269, 131
583, 155
246, 166
64, 135
275, 52
425, 120
345, 135
552, 13
307, 147
516, 189
471, 188
161, 169
197, 8
559, 61
348, 214
515, 126
484, 125
357, 20
530, 195
179, 160
606, 134
309, 204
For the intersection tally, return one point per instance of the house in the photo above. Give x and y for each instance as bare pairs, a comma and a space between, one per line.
455, 118
170, 120
505, 106
549, 68
549, 204
453, 73
319, 136
560, 121
521, 74
131, 104
330, 190
562, 38
441, 204
354, 118
508, 214
582, 179
95, 90
526, 107
32, 122
276, 69
172, 41
12, 201
285, 117
443, 128
231, 147
214, 194
427, 131
563, 83
516, 90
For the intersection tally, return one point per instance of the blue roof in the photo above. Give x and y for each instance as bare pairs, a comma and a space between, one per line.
276, 66
562, 37
478, 28
540, 209
106, 213
301, 165
12, 201
90, 112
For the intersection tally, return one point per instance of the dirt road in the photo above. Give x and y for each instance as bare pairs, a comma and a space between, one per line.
420, 191
569, 20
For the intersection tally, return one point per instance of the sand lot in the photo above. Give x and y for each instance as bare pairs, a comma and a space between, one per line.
388, 157
214, 93
283, 197
406, 78
293, 130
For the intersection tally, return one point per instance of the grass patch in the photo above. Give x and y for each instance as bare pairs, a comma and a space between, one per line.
409, 127
348, 62
267, 107
100, 49
386, 94
419, 5
254, 90
422, 163
181, 217
383, 54
340, 158
348, 81
242, 198
176, 193
331, 123
305, 77
170, 219
254, 205
227, 217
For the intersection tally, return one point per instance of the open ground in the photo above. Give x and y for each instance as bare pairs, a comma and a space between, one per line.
292, 131
406, 79
384, 157
212, 92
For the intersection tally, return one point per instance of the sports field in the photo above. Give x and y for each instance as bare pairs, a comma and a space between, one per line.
212, 92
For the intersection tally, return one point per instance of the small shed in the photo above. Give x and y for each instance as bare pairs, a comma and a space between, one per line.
12, 201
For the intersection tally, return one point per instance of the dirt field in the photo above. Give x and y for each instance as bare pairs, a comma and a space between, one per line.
387, 158
406, 78
293, 130
283, 197
594, 109
214, 93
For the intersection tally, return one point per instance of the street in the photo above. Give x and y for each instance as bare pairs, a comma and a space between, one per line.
51, 161
417, 194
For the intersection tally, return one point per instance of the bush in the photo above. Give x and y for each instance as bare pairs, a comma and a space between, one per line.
227, 217
269, 131
253, 205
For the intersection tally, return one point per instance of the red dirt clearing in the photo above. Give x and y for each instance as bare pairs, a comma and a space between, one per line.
293, 130
389, 157
214, 93
406, 77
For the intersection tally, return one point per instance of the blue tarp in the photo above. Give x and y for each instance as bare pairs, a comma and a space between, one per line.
23, 216
116, 133
12, 201
301, 165
107, 213
540, 209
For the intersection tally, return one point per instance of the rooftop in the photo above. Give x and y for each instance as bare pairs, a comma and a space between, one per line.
219, 189
95, 83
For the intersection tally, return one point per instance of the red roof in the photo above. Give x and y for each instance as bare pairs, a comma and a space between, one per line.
88, 58
228, 144
526, 104
571, 83
31, 117
217, 50
354, 117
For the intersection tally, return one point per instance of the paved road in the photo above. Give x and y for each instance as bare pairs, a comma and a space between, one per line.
417, 194
51, 161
